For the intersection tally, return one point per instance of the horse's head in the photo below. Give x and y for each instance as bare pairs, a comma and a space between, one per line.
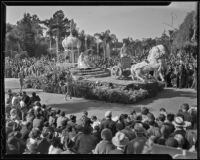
158, 52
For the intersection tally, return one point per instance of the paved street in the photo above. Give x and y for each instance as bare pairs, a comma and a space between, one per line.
170, 99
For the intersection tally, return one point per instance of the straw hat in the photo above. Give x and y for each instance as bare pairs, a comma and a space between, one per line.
120, 140
179, 122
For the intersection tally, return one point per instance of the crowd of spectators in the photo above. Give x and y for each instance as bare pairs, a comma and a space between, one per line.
179, 73
34, 128
29, 66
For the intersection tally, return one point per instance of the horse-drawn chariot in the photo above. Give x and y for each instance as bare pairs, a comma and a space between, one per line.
155, 62
123, 68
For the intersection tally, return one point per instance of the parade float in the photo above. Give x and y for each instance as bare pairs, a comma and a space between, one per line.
123, 83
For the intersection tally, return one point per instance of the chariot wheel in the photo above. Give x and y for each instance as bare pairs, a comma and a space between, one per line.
116, 72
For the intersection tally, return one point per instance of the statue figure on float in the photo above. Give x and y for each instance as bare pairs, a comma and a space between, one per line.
84, 60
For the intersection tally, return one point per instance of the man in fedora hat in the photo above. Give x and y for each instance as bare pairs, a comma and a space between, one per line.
136, 145
180, 126
120, 141
108, 122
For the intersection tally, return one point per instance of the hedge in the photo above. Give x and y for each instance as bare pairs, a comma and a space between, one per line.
101, 90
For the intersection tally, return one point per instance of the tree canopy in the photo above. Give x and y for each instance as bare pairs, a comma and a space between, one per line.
28, 36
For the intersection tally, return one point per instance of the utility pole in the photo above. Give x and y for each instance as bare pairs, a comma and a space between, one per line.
172, 26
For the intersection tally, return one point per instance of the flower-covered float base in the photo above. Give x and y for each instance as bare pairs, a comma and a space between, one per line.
104, 89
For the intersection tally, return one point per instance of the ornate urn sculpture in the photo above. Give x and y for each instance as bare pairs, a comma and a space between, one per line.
71, 44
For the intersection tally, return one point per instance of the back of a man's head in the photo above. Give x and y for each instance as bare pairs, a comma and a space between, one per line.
185, 107
170, 117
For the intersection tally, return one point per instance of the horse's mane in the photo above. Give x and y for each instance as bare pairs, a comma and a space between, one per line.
157, 52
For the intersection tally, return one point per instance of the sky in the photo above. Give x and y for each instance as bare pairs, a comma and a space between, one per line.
124, 21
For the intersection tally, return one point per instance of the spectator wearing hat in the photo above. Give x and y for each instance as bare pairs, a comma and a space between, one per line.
136, 145
108, 123
85, 142
105, 146
120, 141
55, 146
180, 126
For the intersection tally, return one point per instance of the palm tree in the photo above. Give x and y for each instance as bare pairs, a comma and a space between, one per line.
57, 26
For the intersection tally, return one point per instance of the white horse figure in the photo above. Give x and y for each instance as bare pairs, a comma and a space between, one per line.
154, 63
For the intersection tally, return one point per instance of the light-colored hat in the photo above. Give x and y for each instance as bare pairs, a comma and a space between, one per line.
120, 140
179, 122
108, 114
115, 119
